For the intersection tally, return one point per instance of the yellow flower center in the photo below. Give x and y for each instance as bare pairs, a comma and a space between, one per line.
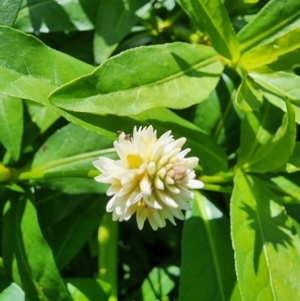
134, 161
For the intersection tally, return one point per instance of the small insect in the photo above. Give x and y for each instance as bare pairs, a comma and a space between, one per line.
126, 137
118, 133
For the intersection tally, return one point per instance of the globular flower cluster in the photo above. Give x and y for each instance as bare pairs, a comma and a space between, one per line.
152, 178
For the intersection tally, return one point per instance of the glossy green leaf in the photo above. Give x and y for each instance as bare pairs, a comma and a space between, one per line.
13, 293
207, 268
27, 258
11, 124
175, 75
287, 185
239, 7
210, 17
78, 224
159, 283
40, 115
114, 20
8, 11
266, 147
266, 248
277, 87
33, 70
293, 163
223, 122
72, 148
273, 32
84, 289
60, 15
248, 98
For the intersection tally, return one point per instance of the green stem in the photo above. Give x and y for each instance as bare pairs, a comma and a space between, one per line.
217, 179
39, 175
217, 188
108, 254
73, 159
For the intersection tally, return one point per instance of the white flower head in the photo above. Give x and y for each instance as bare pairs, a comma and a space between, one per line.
152, 178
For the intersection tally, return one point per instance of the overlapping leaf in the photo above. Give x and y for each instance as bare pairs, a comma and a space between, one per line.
27, 257
207, 256
266, 248
8, 11
49, 16
175, 75
114, 20
273, 32
72, 148
210, 17
265, 146
279, 86
11, 124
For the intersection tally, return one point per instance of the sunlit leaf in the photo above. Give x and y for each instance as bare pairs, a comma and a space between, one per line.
72, 148
175, 75
85, 289
60, 15
114, 20
279, 86
11, 124
8, 11
13, 292
212, 19
273, 32
265, 146
159, 283
266, 249
248, 98
207, 269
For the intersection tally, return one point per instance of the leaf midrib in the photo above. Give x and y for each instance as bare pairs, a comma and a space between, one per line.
265, 251
213, 248
248, 45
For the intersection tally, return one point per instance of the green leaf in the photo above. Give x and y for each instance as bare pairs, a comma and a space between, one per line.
264, 147
33, 70
287, 185
11, 124
13, 292
210, 17
273, 32
8, 11
84, 289
40, 115
266, 248
78, 224
50, 16
239, 7
293, 163
207, 268
27, 258
65, 150
175, 75
114, 20
223, 123
248, 98
159, 283
279, 86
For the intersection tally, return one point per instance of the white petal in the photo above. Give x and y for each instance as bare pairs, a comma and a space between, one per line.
167, 199
159, 184
194, 184
145, 185
141, 217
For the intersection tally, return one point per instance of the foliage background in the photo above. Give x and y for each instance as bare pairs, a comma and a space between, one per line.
223, 74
